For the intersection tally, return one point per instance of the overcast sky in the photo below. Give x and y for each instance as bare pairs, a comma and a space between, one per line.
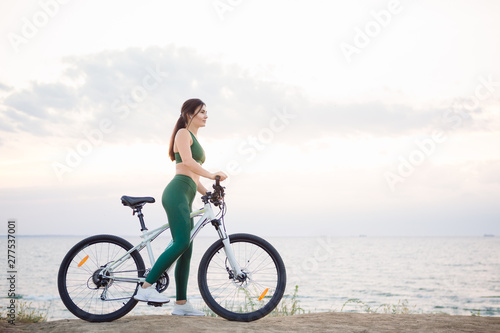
376, 118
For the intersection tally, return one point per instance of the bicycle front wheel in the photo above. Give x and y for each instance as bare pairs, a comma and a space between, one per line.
245, 298
88, 292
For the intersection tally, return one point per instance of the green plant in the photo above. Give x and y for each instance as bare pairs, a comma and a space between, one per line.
401, 308
208, 312
25, 313
289, 306
476, 313
358, 303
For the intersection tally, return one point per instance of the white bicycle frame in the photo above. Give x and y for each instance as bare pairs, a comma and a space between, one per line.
207, 216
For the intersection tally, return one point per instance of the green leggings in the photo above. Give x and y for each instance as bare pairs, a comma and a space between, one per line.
177, 200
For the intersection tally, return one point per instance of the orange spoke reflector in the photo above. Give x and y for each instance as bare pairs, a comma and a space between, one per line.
263, 294
85, 259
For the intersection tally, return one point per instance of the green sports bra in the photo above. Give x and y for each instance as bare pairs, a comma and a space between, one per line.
197, 152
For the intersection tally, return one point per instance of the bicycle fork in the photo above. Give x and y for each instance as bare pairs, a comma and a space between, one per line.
228, 249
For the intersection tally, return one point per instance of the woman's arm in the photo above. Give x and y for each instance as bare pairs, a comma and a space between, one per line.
201, 189
183, 143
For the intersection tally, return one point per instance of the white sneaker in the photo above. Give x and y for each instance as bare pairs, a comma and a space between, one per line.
150, 294
186, 310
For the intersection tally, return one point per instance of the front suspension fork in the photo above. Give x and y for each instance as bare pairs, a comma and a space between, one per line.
228, 249
232, 260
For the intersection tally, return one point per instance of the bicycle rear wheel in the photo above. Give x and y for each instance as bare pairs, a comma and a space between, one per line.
89, 294
242, 299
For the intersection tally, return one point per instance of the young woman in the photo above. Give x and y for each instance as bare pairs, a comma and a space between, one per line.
177, 200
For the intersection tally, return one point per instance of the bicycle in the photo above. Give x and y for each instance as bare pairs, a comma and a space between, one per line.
241, 277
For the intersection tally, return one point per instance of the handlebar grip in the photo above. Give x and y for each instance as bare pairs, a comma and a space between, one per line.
217, 180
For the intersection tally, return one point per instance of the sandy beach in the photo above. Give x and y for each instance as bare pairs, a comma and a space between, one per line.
315, 322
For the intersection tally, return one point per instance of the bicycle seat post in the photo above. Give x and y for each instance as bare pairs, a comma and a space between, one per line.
138, 210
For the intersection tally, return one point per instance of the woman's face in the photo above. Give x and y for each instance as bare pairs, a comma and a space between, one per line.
200, 119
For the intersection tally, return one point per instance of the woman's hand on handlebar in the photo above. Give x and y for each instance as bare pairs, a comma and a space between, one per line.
221, 174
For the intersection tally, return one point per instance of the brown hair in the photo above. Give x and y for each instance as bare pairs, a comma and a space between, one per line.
188, 109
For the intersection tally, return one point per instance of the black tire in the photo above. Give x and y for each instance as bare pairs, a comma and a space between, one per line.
77, 285
254, 297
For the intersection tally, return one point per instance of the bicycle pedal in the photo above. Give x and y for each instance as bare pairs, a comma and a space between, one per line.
155, 304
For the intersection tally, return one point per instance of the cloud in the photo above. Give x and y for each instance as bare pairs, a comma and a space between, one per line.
141, 90
370, 118
41, 98
5, 87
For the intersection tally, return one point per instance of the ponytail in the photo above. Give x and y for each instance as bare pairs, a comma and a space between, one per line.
181, 123
188, 109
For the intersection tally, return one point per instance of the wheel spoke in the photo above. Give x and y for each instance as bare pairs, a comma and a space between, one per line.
81, 286
255, 295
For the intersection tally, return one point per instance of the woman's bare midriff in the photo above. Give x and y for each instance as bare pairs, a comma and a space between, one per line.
181, 169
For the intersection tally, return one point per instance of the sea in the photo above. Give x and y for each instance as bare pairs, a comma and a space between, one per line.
455, 276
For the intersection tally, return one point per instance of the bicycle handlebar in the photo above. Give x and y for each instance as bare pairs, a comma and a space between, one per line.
217, 196
219, 190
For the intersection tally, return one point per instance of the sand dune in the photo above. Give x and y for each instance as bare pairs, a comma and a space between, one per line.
315, 322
